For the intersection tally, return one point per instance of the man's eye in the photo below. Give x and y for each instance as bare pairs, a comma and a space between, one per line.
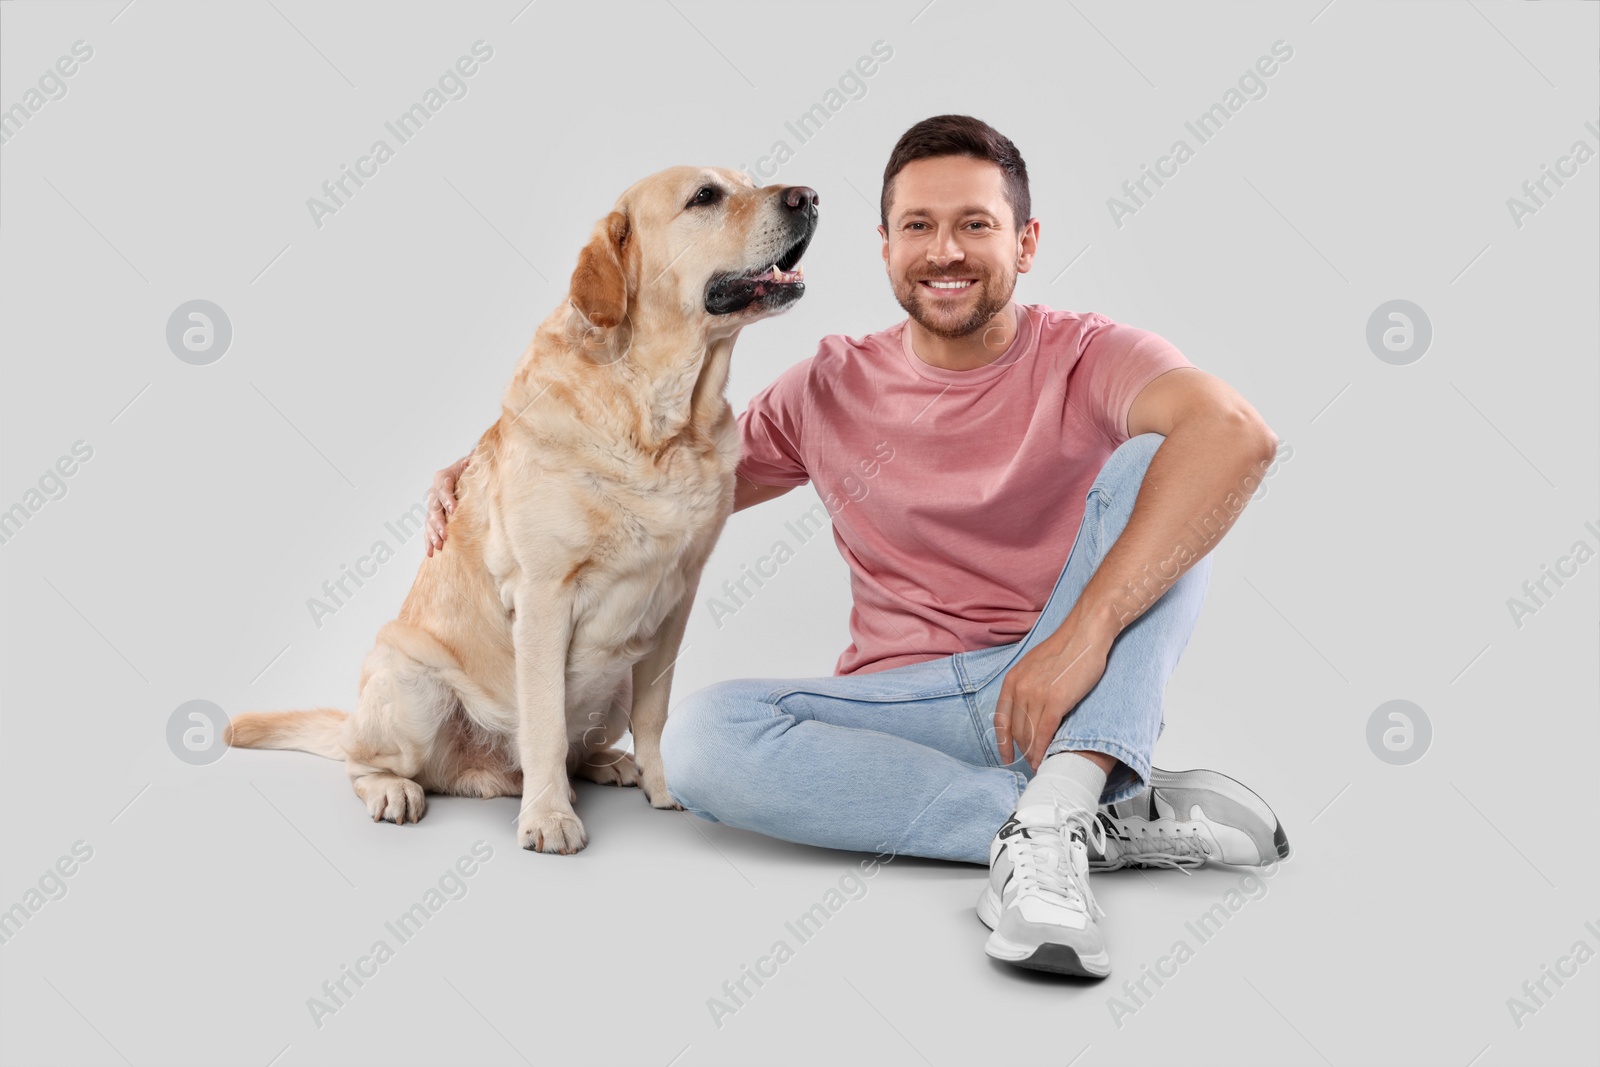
708, 194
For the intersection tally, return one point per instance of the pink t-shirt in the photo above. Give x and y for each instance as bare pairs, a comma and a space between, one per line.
955, 495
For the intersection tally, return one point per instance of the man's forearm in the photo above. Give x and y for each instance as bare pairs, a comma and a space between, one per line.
748, 494
1197, 484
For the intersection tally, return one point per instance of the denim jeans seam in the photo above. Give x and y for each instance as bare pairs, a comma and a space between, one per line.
977, 726
773, 696
1000, 670
969, 691
959, 666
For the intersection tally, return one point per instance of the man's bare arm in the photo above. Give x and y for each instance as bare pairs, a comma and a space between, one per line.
1217, 450
747, 493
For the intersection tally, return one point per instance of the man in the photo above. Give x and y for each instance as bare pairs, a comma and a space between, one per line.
1025, 498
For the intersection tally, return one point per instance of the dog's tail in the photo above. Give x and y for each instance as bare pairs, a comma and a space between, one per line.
320, 731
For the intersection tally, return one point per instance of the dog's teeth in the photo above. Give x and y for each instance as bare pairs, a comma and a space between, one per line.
776, 273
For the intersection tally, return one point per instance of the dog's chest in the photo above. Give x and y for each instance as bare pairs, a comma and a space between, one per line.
653, 529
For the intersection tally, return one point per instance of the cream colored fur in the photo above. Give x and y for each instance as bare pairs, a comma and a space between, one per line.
551, 619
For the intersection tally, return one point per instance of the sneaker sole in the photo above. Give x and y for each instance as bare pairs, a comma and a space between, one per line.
1056, 959
1235, 791
1051, 957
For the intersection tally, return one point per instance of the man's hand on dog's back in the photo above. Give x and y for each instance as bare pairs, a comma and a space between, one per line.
442, 498
442, 501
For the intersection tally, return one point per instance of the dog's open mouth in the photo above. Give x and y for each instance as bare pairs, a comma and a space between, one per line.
774, 287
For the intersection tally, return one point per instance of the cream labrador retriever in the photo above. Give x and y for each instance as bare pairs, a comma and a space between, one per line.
552, 618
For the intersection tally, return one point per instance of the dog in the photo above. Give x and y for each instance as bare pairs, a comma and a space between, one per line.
551, 620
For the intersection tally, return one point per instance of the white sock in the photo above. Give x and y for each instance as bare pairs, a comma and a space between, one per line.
1067, 779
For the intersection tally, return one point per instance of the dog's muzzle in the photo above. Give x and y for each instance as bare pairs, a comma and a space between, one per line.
782, 283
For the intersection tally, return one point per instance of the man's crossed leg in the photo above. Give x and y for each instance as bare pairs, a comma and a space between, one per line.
906, 760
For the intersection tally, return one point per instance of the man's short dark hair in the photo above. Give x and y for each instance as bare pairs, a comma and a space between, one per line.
960, 135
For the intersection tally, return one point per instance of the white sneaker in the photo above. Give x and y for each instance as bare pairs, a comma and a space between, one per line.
1037, 902
1187, 819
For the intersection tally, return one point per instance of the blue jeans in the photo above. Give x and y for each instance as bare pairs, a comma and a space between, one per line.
906, 760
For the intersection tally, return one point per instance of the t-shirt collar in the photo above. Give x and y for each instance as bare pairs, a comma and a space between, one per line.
1021, 345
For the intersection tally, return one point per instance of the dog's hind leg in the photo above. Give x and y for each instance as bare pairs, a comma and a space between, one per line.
390, 797
468, 761
652, 683
609, 766
402, 706
595, 757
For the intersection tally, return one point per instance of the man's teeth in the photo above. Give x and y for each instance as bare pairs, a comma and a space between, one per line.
949, 285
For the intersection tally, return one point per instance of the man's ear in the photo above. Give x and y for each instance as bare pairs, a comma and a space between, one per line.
599, 288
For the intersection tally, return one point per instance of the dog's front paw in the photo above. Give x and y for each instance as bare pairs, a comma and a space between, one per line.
654, 784
551, 831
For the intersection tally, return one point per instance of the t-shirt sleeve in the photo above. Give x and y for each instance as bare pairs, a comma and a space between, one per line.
770, 431
1116, 362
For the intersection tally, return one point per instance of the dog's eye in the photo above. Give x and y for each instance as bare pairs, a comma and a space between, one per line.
708, 194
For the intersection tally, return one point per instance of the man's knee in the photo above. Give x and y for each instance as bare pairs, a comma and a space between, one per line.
693, 739
1126, 468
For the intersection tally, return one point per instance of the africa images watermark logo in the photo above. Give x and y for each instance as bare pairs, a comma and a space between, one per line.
52, 486
1204, 928
339, 590
1536, 992
807, 925
1536, 192
52, 85
452, 85
52, 886
803, 528
1252, 85
1538, 592
338, 991
852, 85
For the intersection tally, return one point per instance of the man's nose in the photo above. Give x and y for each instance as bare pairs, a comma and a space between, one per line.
943, 249
801, 199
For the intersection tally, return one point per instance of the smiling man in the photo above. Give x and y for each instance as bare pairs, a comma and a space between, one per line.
1028, 560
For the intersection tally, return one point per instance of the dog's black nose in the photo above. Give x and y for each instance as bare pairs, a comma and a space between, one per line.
801, 198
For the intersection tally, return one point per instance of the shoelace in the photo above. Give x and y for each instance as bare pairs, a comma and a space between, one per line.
1153, 845
1042, 865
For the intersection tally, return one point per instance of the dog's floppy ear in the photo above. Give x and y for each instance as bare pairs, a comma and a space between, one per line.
599, 283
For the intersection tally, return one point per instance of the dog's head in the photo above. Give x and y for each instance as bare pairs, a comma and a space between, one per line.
699, 245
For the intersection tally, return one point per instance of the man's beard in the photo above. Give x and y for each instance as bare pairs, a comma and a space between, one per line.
992, 297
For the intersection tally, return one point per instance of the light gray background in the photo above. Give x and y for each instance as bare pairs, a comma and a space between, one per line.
370, 352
